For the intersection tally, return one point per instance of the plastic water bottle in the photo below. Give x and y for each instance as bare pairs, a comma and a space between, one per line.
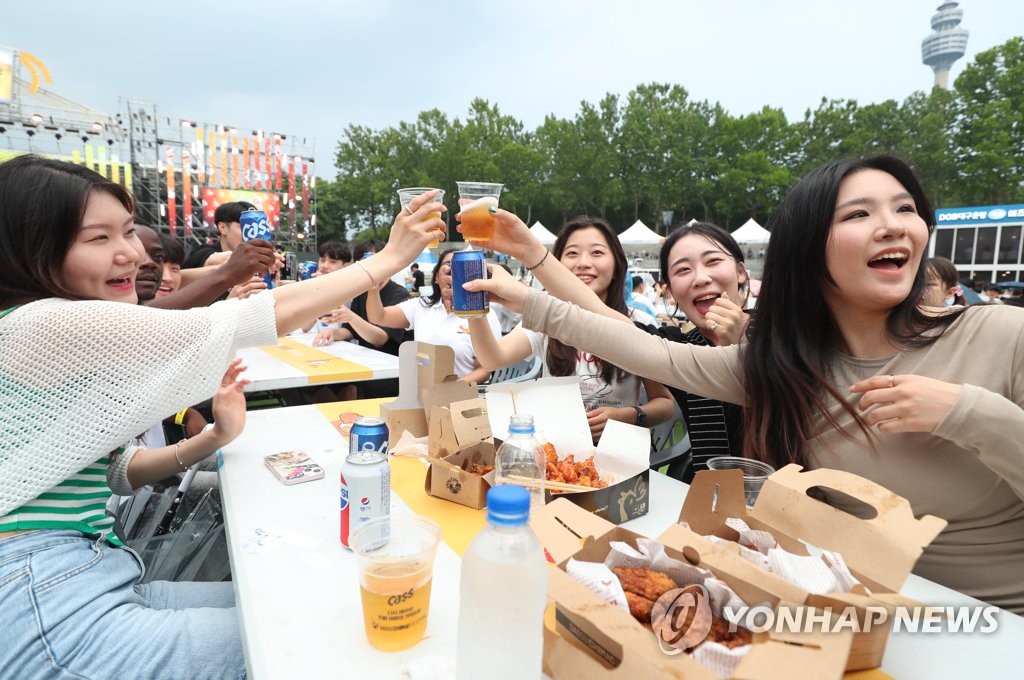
521, 455
502, 594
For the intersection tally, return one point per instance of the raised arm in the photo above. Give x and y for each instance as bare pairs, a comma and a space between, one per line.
249, 258
494, 353
409, 236
514, 238
377, 313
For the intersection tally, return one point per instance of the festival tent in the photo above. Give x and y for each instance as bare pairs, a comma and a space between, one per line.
751, 232
542, 234
640, 235
426, 258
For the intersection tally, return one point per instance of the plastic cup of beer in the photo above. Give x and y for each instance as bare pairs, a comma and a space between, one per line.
754, 473
474, 200
409, 193
396, 567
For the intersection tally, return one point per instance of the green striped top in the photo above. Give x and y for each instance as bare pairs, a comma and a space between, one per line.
79, 503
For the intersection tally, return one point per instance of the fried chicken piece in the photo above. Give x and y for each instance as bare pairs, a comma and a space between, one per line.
553, 474
645, 582
568, 471
584, 481
640, 607
721, 634
478, 469
587, 468
550, 456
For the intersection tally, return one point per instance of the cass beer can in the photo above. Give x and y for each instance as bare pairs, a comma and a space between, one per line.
255, 225
468, 265
306, 269
365, 490
368, 435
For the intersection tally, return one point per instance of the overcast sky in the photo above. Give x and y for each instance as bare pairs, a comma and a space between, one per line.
310, 67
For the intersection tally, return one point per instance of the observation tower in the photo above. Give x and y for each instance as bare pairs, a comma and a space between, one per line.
946, 44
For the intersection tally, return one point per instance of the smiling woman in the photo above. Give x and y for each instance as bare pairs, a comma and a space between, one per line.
81, 374
844, 369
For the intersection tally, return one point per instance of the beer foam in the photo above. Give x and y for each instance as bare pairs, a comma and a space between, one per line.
479, 203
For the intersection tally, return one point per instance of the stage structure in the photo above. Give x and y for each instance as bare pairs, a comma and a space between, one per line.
179, 170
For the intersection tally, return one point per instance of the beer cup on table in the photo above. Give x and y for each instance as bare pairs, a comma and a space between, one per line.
396, 568
754, 473
474, 200
409, 193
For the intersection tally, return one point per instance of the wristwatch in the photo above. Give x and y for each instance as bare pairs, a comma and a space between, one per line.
641, 417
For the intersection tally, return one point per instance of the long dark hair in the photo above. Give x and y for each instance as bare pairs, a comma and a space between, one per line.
435, 292
561, 358
713, 233
42, 204
793, 337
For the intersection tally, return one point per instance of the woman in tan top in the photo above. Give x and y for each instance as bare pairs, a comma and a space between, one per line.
843, 369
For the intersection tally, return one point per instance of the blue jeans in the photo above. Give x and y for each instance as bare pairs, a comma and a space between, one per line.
71, 607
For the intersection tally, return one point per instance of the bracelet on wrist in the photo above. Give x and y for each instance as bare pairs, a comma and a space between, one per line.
177, 445
545, 256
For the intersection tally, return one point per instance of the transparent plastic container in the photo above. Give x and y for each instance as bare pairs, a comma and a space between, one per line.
502, 594
520, 455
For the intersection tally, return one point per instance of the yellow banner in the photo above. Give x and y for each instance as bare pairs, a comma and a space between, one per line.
459, 524
6, 75
321, 367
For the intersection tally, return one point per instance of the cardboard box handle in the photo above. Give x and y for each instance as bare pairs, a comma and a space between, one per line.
891, 509
864, 490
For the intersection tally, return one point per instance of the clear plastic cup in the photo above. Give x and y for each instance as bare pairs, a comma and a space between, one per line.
754, 473
409, 193
475, 199
396, 568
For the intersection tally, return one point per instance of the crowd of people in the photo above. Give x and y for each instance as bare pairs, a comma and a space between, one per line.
854, 357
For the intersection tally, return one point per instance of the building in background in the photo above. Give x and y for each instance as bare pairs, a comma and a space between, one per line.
946, 43
983, 242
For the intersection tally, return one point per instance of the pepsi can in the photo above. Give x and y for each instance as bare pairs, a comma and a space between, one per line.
365, 491
468, 265
306, 269
256, 225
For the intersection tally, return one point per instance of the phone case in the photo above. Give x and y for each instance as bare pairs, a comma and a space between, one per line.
293, 467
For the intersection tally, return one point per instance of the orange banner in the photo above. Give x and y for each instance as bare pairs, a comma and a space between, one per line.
186, 191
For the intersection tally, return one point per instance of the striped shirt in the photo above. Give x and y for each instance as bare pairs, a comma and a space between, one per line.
79, 503
715, 427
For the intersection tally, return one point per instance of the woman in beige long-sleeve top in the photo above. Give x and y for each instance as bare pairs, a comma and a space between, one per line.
843, 368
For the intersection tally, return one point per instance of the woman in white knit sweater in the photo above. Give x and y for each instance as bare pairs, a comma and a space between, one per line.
81, 373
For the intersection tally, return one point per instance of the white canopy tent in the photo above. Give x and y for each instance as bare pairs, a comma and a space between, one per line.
542, 234
640, 235
751, 232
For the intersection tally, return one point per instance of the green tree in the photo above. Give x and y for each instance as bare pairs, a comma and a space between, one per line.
989, 133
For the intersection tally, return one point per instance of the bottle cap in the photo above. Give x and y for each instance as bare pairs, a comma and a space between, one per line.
521, 423
508, 504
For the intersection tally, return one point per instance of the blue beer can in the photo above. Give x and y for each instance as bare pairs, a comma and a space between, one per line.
468, 265
368, 436
256, 225
306, 269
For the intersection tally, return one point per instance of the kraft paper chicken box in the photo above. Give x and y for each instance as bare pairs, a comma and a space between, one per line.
459, 444
592, 638
426, 376
622, 455
877, 535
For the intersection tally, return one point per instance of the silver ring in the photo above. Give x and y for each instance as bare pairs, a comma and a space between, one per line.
892, 381
713, 325
407, 209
